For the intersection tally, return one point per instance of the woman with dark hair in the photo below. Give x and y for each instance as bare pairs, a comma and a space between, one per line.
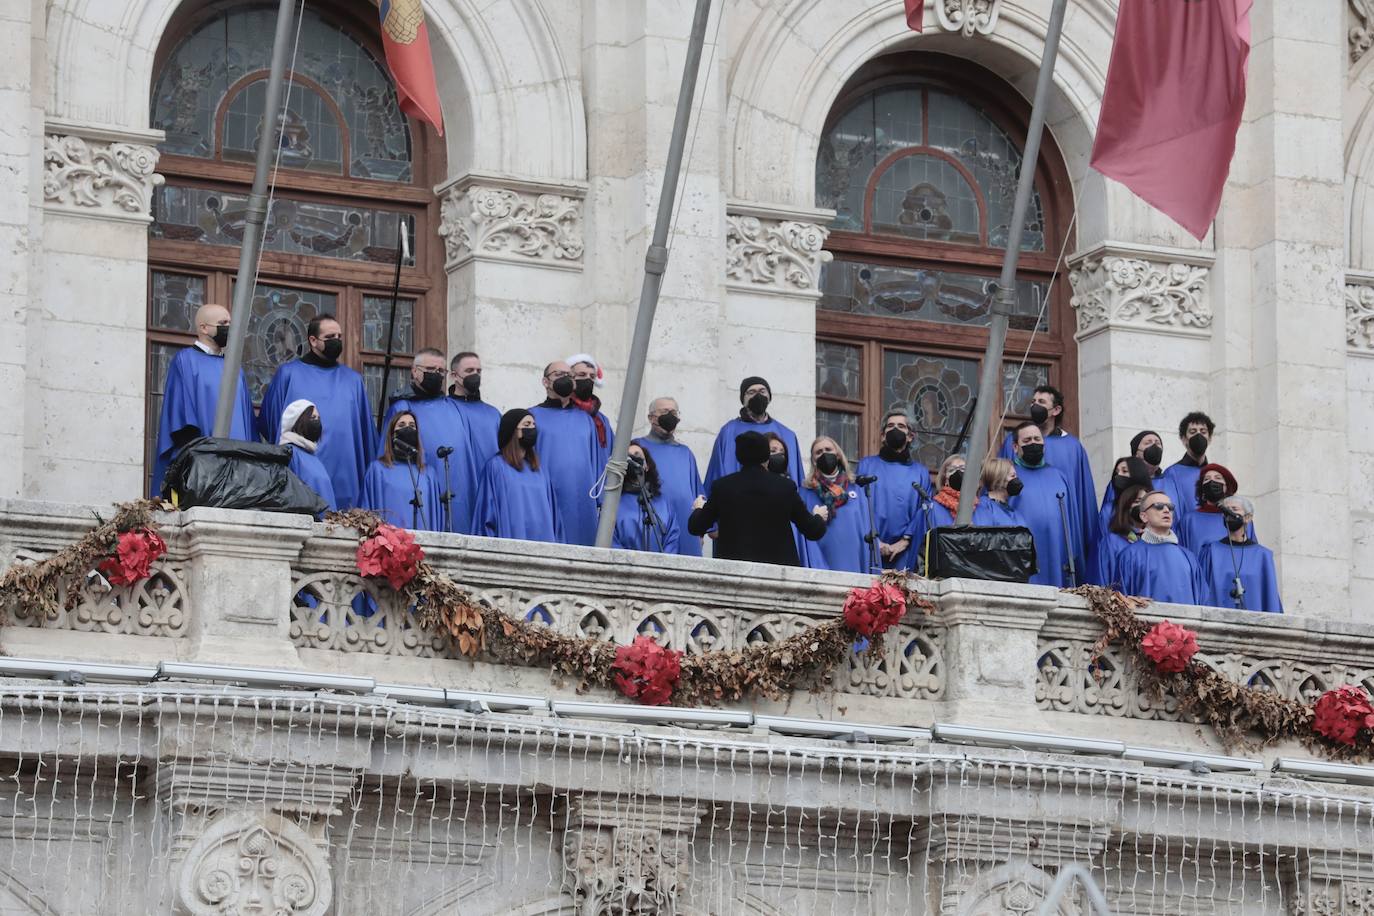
515, 497
397, 485
646, 521
1123, 530
843, 547
1127, 472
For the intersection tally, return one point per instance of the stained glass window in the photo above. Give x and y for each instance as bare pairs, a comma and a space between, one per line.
175, 300
837, 371
922, 294
840, 426
277, 330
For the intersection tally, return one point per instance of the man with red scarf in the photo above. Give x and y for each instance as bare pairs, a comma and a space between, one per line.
587, 375
573, 449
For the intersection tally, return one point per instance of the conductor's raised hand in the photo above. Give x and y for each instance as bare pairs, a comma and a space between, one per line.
822, 511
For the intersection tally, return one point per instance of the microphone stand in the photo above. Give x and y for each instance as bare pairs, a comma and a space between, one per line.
416, 503
447, 498
1069, 566
652, 524
875, 557
925, 510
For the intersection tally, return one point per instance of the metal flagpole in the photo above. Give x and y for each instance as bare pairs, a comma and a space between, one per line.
253, 223
1004, 303
655, 262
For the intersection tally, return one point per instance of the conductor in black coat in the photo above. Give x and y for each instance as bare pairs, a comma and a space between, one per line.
754, 511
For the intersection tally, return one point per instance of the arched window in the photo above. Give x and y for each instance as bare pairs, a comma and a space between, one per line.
352, 169
920, 160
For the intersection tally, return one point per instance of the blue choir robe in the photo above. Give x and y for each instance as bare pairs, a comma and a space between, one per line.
1161, 572
569, 452
929, 516
989, 513
484, 421
1104, 564
723, 452
631, 532
681, 484
1105, 510
442, 425
1184, 477
1219, 561
189, 397
1160, 482
349, 441
1064, 451
388, 491
603, 449
313, 474
1038, 503
516, 503
894, 500
842, 547
1198, 528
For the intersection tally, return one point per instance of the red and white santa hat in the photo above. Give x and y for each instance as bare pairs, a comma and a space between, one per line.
591, 360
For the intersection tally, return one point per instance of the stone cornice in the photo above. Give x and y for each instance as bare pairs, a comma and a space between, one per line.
489, 217
100, 171
1142, 288
775, 250
1359, 312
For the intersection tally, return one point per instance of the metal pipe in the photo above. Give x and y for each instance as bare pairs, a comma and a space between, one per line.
256, 216
655, 262
1004, 303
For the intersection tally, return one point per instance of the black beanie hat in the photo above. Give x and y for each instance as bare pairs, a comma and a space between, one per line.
509, 420
751, 449
750, 382
1135, 441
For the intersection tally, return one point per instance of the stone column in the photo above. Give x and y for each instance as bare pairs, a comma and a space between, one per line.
87, 352
1359, 339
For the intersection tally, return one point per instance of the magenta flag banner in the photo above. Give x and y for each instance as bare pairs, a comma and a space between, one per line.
915, 9
1173, 103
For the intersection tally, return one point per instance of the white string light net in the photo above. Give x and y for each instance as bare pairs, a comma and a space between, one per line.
216, 800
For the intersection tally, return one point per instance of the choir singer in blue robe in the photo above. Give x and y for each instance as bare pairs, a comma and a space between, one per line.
449, 452
646, 520
677, 469
1000, 485
1238, 558
939, 511
398, 485
484, 421
1195, 432
301, 429
1123, 531
895, 499
1206, 522
1157, 566
338, 393
191, 392
755, 394
1046, 503
570, 451
516, 498
843, 547
1127, 472
587, 375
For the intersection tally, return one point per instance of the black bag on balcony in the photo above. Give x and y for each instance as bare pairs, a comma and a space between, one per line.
232, 474
995, 554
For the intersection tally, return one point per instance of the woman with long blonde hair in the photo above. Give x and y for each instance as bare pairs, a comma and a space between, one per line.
938, 512
844, 546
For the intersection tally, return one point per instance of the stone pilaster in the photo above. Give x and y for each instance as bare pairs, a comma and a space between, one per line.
1359, 341
627, 861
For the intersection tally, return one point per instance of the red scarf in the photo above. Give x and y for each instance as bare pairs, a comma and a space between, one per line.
593, 407
949, 498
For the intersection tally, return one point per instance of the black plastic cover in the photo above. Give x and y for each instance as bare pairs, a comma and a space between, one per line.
232, 474
995, 554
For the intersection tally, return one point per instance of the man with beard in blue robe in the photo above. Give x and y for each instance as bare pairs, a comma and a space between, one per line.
1157, 566
895, 500
755, 394
484, 421
569, 450
191, 392
1195, 432
301, 429
442, 428
338, 393
1239, 556
679, 479
1044, 502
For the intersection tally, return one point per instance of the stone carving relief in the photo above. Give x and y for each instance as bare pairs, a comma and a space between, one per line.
1013, 889
1112, 289
532, 227
617, 862
970, 17
155, 606
1359, 317
774, 255
1361, 28
254, 863
103, 178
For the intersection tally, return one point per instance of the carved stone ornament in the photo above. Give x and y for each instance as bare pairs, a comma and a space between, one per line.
1359, 318
970, 17
529, 226
620, 863
1361, 28
254, 863
1141, 289
774, 255
1012, 889
99, 177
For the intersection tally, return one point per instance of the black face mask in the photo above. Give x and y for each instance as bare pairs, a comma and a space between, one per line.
405, 442
582, 388
1197, 444
777, 463
1213, 491
1033, 454
432, 383
1153, 455
758, 404
310, 428
333, 348
1120, 482
1039, 413
472, 384
956, 479
828, 463
1234, 522
634, 468
221, 337
895, 440
563, 386
668, 422
528, 437
1015, 486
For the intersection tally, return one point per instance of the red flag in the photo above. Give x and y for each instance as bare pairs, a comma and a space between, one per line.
915, 9
405, 38
1173, 103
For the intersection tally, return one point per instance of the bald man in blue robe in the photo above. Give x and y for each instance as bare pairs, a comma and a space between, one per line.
1046, 502
570, 452
677, 470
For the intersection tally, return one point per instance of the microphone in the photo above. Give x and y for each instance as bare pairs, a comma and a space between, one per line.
443, 451
864, 480
402, 449
922, 493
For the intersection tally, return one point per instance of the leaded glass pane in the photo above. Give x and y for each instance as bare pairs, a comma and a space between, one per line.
840, 426
175, 298
922, 197
310, 136
879, 124
238, 42
398, 382
1018, 389
293, 226
837, 371
948, 297
376, 317
937, 391
159, 360
277, 330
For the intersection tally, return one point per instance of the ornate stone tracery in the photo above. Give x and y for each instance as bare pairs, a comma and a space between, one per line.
254, 863
766, 252
619, 862
528, 223
1359, 315
968, 17
99, 175
1120, 286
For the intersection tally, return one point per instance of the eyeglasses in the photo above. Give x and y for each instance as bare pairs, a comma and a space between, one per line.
558, 375
1161, 507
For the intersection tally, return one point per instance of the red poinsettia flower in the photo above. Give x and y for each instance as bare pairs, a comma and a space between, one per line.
392, 554
1341, 713
1170, 646
647, 672
134, 556
872, 611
